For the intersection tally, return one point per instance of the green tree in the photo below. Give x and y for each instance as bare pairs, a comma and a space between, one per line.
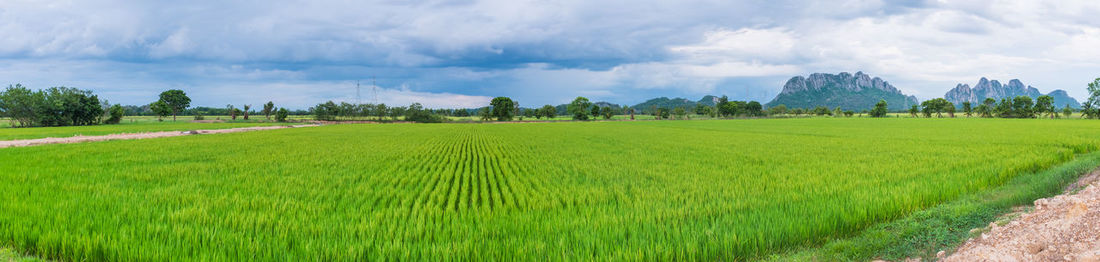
679, 112
380, 111
606, 112
247, 108
1091, 107
176, 100
116, 113
754, 109
548, 111
19, 103
579, 108
1067, 111
485, 113
967, 109
913, 110
269, 108
774, 111
280, 116
1044, 105
595, 111
1021, 107
880, 109
503, 108
162, 110
985, 109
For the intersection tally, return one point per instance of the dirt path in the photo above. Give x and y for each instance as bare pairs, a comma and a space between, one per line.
1061, 228
81, 139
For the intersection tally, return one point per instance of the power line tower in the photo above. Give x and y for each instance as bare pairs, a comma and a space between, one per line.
357, 100
374, 89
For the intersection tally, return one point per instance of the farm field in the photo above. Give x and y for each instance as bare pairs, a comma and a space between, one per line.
135, 127
651, 190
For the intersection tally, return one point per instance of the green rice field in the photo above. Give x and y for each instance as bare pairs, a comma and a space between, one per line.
617, 190
136, 127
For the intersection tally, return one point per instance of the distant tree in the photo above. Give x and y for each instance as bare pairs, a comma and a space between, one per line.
116, 113
725, 108
966, 108
849, 113
269, 108
1091, 107
631, 111
380, 111
913, 110
798, 111
246, 109
606, 112
777, 110
985, 109
595, 111
280, 115
198, 115
324, 112
938, 106
655, 112
700, 109
1044, 104
485, 114
837, 112
579, 108
417, 113
1022, 106
527, 112
1004, 108
679, 112
663, 113
822, 111
503, 108
1067, 111
176, 100
880, 109
19, 104
162, 110
754, 109
548, 111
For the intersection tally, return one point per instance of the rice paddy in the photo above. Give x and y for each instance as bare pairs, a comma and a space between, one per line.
650, 190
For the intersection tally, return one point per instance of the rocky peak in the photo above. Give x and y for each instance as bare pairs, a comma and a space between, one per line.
844, 80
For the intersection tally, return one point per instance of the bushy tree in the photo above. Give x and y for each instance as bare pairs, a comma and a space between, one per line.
1044, 104
485, 114
914, 110
775, 110
938, 106
987, 107
606, 112
754, 109
880, 109
1022, 107
416, 113
503, 108
1067, 111
579, 108
162, 110
247, 108
177, 101
547, 111
595, 111
966, 108
19, 104
1091, 107
269, 108
680, 112
280, 116
325, 111
115, 113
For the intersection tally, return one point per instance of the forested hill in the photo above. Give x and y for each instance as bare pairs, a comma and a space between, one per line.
844, 90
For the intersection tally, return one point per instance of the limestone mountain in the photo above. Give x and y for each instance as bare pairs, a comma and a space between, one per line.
994, 89
857, 91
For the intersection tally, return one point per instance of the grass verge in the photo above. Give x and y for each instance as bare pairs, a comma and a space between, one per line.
948, 225
9, 255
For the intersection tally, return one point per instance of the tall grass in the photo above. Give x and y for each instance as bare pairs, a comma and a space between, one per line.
654, 190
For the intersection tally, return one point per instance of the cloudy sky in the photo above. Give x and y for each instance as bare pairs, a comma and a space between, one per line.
459, 53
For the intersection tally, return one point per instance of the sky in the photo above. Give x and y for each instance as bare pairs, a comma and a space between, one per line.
459, 54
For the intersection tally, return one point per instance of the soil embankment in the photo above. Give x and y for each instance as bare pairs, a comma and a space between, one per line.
1061, 228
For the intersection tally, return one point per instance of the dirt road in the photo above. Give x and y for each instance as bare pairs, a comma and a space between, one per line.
81, 139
